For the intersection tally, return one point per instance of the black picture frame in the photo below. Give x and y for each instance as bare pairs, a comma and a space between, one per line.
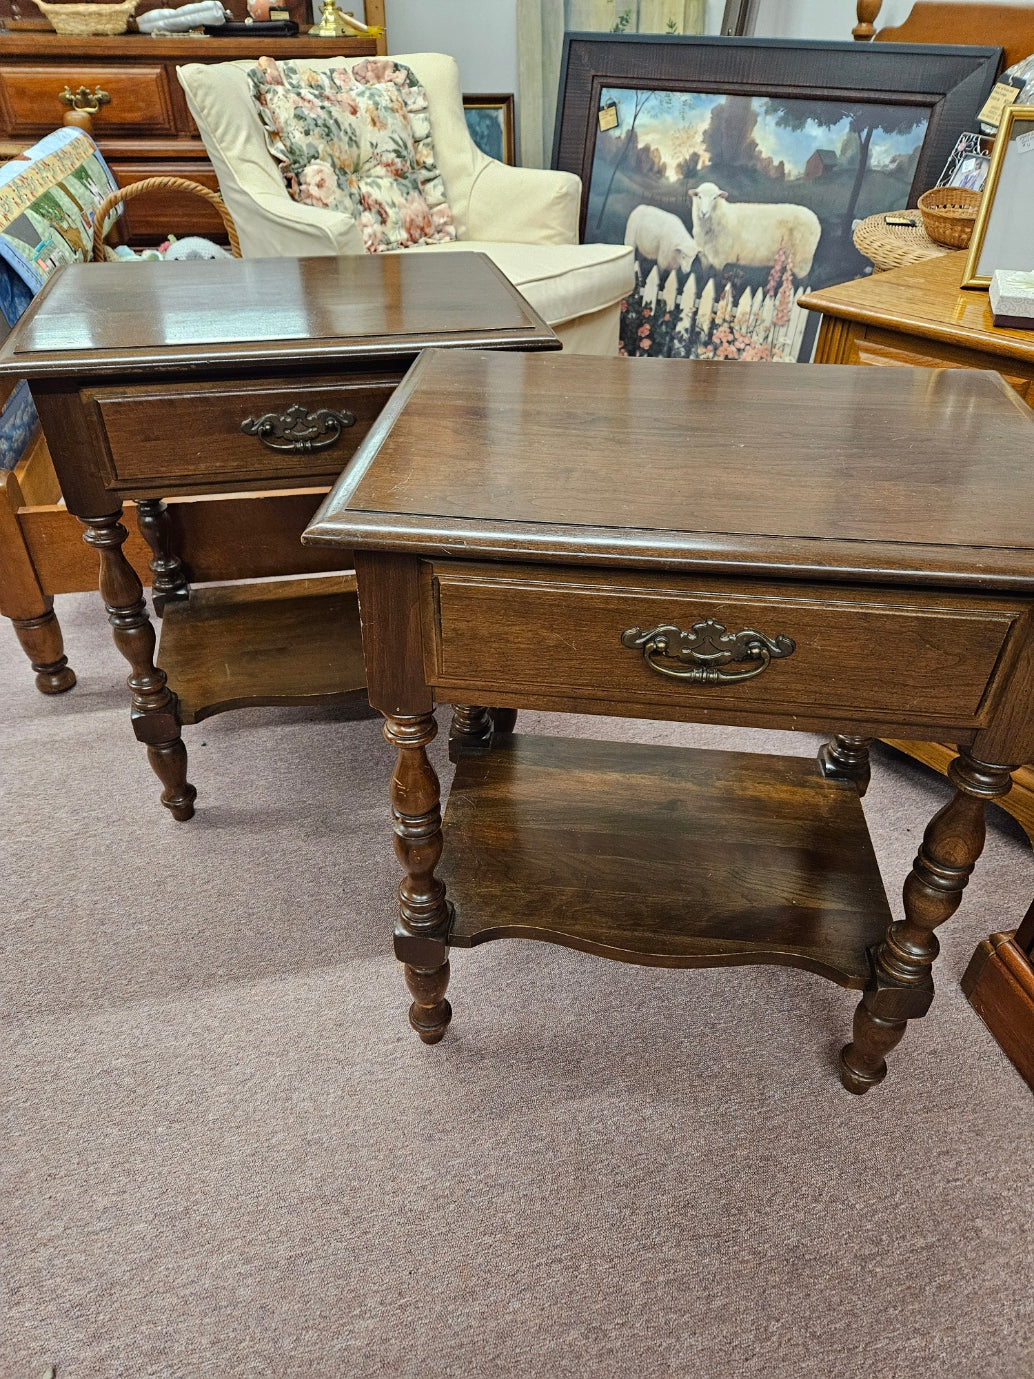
952, 82
659, 187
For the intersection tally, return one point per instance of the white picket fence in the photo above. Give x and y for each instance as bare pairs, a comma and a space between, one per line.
699, 312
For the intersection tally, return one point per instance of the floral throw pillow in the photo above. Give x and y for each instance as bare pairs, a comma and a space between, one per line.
357, 141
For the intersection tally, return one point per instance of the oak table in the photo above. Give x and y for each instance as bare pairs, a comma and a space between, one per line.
693, 542
241, 387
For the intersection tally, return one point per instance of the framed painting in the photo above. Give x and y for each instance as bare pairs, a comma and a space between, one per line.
490, 122
1002, 236
738, 169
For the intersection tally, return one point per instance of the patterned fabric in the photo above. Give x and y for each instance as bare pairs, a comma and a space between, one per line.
357, 141
48, 197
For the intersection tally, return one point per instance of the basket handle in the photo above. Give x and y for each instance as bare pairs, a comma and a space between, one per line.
150, 184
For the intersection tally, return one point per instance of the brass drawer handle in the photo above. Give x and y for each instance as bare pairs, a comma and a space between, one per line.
709, 648
298, 431
89, 102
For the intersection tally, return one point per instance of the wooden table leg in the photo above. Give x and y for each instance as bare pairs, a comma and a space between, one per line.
473, 729
154, 714
845, 757
23, 600
425, 915
169, 579
902, 987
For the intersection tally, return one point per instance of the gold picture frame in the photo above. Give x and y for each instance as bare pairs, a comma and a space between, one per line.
1002, 234
490, 123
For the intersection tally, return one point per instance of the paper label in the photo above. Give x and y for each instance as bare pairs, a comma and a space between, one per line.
609, 116
1025, 143
1003, 95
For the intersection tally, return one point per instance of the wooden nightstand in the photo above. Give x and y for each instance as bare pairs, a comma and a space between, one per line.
687, 541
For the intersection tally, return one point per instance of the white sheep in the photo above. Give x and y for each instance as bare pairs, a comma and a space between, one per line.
750, 232
658, 237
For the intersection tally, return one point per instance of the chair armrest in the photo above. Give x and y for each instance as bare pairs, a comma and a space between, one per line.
523, 205
274, 226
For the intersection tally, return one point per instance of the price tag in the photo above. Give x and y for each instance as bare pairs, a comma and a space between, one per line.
1025, 143
1003, 95
609, 115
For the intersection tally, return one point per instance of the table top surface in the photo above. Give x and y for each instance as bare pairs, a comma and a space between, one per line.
118, 317
925, 299
910, 476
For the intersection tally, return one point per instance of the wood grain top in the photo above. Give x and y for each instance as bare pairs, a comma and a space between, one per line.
116, 317
924, 299
212, 48
900, 475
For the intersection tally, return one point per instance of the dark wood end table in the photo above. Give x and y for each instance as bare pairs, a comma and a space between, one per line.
697, 543
250, 380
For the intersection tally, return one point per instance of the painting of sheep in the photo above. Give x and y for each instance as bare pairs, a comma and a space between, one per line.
735, 205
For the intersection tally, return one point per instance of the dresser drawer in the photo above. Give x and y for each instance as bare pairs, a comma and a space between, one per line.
140, 100
905, 656
184, 438
884, 348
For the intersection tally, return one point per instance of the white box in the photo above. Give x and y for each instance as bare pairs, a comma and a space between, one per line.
1011, 295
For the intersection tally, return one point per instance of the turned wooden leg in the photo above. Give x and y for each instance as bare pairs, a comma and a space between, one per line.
902, 985
169, 579
154, 713
425, 915
846, 758
470, 732
40, 639
504, 720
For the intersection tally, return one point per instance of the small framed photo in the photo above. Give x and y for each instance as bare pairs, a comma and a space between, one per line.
491, 126
1002, 234
969, 162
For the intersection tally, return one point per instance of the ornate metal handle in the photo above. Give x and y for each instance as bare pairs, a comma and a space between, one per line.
702, 652
298, 431
89, 102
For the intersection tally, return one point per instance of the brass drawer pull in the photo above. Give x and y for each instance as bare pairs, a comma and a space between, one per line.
709, 648
84, 100
298, 431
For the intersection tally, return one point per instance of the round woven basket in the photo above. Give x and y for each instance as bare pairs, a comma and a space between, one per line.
87, 19
102, 253
892, 246
949, 214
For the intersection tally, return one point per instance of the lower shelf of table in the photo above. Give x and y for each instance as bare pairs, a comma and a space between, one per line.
284, 642
664, 856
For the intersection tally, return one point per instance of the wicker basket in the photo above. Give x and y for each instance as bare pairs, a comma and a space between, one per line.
80, 20
892, 246
152, 184
949, 214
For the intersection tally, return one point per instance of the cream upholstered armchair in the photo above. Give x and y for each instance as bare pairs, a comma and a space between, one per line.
525, 220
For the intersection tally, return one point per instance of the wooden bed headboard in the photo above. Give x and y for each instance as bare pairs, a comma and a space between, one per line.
1010, 27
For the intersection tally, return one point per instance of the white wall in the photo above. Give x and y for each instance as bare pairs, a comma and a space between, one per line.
480, 34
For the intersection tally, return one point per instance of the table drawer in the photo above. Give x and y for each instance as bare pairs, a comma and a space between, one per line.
187, 437
140, 101
905, 655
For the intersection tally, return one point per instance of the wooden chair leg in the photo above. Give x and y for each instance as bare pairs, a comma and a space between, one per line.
23, 600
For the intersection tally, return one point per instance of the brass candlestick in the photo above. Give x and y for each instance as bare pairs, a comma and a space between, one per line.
335, 23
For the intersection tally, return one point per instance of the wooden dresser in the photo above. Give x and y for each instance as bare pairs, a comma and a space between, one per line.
919, 315
145, 129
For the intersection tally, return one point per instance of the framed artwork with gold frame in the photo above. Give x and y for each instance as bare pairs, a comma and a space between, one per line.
1002, 235
491, 124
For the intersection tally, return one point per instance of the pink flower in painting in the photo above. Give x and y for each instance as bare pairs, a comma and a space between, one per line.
416, 217
317, 184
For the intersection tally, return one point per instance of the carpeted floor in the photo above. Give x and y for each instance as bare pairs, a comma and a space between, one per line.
225, 1153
